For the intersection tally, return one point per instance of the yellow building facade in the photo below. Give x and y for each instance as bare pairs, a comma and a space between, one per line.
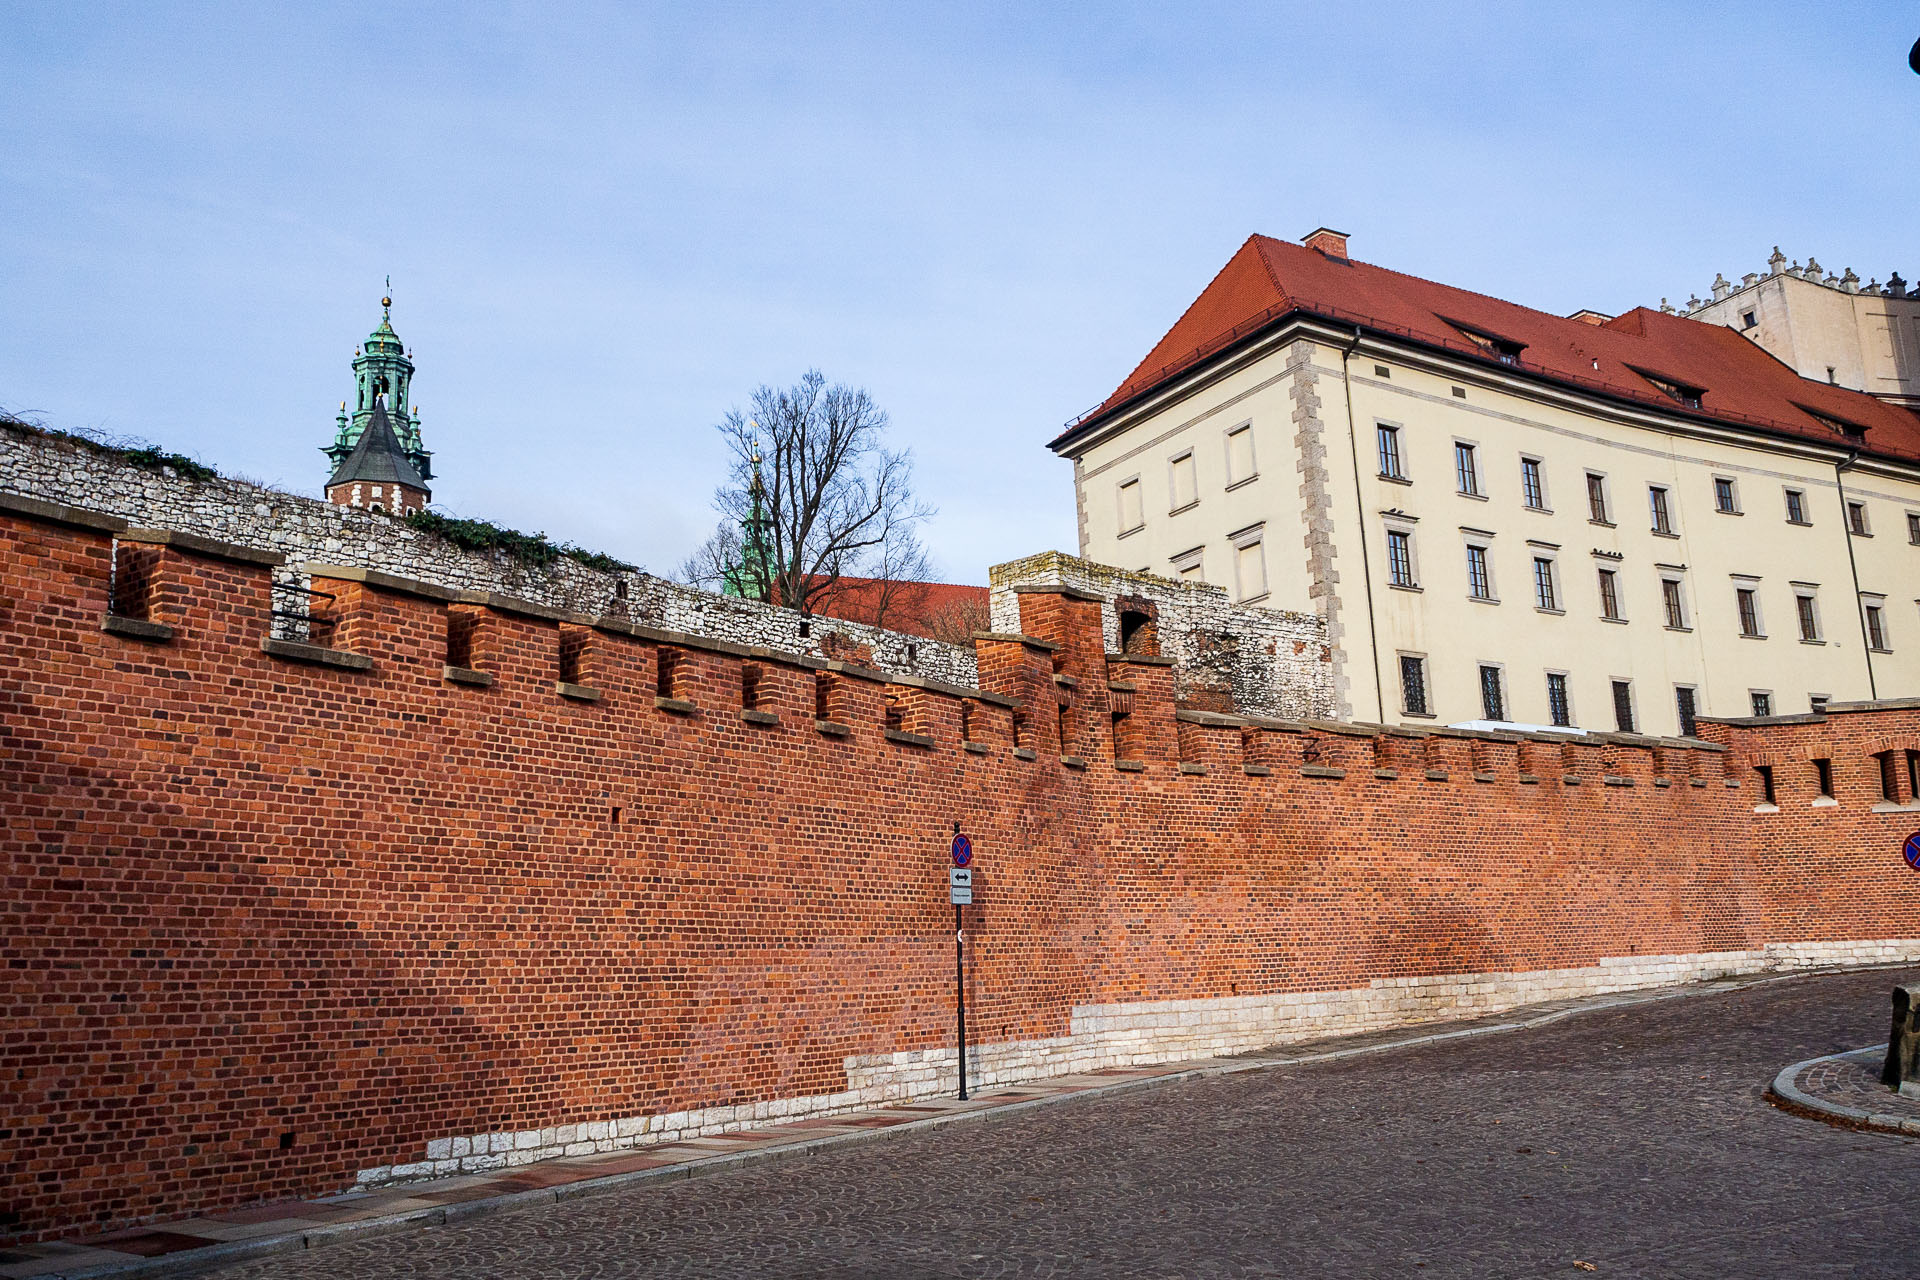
1508, 516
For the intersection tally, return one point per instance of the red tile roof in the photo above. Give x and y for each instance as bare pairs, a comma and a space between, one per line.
938, 610
1743, 385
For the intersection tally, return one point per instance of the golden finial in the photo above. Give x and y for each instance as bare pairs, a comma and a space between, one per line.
386, 299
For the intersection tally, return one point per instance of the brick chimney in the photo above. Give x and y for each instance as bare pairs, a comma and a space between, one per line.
1328, 241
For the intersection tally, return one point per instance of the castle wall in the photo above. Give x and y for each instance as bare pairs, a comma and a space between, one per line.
1227, 656
281, 917
305, 529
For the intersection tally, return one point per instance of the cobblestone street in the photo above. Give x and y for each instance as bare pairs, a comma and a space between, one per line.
1635, 1141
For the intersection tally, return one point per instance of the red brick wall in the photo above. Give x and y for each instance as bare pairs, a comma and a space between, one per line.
269, 923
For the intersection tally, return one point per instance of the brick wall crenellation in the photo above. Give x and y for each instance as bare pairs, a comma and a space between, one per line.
277, 922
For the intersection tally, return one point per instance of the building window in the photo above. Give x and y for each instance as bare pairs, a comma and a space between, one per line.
1809, 615
1249, 567
1748, 319
1189, 566
1133, 513
1413, 685
1889, 778
1597, 499
1857, 519
1823, 776
1479, 581
1796, 506
1532, 488
1913, 527
1390, 454
1240, 468
1817, 702
1186, 491
1400, 558
1675, 601
1610, 595
1877, 628
1725, 500
1662, 513
1558, 707
1544, 595
1765, 772
1762, 702
1683, 703
1623, 705
1747, 600
1493, 702
1466, 470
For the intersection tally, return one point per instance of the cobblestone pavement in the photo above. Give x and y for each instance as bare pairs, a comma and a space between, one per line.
1633, 1140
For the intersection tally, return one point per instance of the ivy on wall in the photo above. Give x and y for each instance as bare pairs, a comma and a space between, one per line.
533, 549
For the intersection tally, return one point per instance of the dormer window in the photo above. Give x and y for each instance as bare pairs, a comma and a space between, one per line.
1851, 431
1505, 350
1675, 390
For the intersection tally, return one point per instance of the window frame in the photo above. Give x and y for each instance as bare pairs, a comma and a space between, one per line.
1228, 436
1533, 483
1615, 687
1746, 608
1547, 595
1478, 540
1913, 528
1660, 510
1862, 527
1252, 538
1730, 487
1194, 558
1140, 501
1674, 604
1387, 449
1873, 622
1608, 581
1505, 707
1174, 505
1402, 529
1806, 609
1796, 498
1419, 665
1686, 706
1563, 682
1599, 500
1761, 709
1466, 469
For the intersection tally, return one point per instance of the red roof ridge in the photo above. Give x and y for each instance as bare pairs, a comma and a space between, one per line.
1614, 359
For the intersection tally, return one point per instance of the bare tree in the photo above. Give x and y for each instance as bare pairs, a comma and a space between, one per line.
833, 504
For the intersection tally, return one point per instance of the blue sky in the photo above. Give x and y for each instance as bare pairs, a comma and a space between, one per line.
606, 224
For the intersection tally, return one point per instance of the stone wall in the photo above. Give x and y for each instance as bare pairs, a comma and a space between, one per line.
1228, 657
56, 469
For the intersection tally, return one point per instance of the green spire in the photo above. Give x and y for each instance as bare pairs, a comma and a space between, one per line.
752, 577
381, 368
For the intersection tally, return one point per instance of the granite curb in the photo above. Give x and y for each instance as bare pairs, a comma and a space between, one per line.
188, 1262
1785, 1093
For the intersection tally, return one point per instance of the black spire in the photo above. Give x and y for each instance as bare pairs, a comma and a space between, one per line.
378, 457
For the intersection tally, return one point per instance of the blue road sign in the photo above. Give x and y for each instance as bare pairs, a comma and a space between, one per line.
1912, 851
962, 850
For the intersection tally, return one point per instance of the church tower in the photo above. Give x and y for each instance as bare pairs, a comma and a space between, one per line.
378, 462
382, 369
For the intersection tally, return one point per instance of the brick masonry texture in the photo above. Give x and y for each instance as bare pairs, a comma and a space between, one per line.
306, 529
274, 924
1265, 662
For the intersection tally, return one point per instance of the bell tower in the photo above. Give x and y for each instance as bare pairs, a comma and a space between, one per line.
382, 374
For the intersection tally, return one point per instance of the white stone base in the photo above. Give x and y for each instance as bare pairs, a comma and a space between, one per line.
1146, 1033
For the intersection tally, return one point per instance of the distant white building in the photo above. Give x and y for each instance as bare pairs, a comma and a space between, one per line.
1826, 327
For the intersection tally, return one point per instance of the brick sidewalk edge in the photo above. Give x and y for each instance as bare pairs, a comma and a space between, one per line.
1785, 1093
199, 1261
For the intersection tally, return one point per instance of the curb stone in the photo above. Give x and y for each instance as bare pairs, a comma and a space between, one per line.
1786, 1094
1783, 1094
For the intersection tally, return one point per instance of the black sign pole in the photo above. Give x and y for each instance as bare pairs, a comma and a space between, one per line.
960, 985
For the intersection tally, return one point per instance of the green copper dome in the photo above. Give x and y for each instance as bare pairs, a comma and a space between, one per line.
383, 375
